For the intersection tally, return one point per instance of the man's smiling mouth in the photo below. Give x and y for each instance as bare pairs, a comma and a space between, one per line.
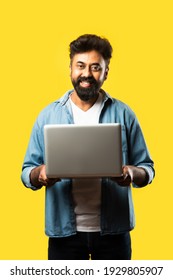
85, 84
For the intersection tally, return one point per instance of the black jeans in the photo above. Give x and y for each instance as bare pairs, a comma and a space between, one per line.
86, 245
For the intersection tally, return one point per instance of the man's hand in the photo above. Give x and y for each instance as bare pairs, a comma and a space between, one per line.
133, 174
39, 178
127, 177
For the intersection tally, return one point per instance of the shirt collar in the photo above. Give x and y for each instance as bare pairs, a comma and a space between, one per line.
63, 100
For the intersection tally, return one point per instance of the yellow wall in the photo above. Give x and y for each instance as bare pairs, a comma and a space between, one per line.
34, 60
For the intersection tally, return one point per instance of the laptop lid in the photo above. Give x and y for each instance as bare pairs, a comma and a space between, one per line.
81, 151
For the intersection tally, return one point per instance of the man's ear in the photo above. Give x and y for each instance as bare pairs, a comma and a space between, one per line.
106, 72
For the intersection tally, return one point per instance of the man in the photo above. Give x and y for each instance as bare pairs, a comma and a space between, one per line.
89, 216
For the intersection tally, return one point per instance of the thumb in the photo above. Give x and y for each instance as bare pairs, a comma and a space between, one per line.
127, 171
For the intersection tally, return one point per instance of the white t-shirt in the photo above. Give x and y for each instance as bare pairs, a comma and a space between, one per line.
87, 192
90, 116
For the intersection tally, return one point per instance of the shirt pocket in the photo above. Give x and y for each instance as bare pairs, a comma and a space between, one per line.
124, 145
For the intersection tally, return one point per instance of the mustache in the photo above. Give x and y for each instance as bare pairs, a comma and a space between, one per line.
86, 79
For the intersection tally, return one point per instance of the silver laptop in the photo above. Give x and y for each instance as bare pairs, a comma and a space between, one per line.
82, 151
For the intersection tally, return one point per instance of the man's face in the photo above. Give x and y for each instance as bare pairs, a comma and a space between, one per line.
88, 72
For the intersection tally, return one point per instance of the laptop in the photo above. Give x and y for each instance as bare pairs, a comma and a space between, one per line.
83, 151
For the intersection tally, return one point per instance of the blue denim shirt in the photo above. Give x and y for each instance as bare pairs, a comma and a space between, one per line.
117, 213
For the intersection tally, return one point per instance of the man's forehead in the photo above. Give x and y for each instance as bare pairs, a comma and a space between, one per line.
90, 56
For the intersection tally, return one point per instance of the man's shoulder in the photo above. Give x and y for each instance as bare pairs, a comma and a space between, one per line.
119, 105
51, 110
119, 110
56, 103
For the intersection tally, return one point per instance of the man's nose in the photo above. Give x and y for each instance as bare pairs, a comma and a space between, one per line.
87, 72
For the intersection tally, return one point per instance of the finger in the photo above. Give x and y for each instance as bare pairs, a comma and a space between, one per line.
43, 182
42, 175
127, 172
126, 182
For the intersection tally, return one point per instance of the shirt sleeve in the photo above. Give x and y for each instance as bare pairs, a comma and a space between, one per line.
34, 155
138, 152
149, 172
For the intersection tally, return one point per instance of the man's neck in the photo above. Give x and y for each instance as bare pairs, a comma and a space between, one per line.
83, 105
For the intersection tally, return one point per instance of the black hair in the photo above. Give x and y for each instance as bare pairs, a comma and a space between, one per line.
89, 42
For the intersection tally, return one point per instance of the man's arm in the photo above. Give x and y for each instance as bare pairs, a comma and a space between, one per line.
38, 177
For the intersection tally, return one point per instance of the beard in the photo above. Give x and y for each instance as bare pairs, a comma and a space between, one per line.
86, 94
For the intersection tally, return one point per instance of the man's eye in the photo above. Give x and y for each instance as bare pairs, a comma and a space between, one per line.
95, 68
80, 66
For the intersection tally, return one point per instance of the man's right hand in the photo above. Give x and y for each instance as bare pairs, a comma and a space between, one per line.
39, 178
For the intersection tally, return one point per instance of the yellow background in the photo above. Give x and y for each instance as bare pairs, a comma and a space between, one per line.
35, 71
